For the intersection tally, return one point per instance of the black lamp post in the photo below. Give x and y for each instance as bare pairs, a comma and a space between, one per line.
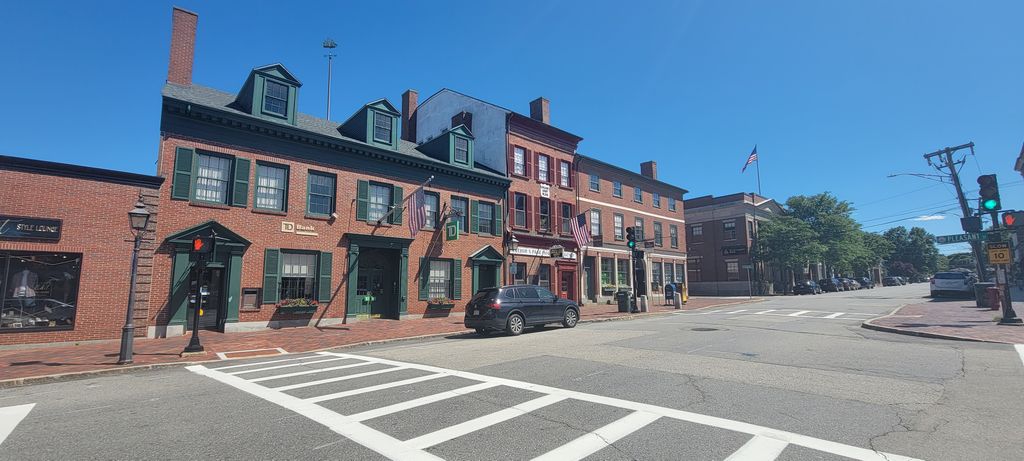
513, 245
138, 218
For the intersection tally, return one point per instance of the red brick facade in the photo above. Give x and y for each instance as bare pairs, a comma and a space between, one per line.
93, 207
614, 196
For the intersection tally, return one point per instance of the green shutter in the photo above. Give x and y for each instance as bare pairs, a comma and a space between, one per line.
181, 184
457, 279
397, 198
498, 230
324, 283
271, 276
474, 220
240, 190
424, 278
362, 199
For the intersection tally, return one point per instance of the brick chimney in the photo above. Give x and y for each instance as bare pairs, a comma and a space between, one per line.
183, 46
540, 110
649, 169
410, 101
463, 118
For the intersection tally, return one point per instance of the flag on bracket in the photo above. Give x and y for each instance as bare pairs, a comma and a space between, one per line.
751, 159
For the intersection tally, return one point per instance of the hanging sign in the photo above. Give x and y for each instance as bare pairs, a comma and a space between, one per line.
17, 227
451, 230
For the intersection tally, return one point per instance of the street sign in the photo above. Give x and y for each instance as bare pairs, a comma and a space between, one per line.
451, 230
649, 244
998, 252
957, 238
557, 251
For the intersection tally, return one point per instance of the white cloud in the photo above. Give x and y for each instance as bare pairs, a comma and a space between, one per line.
934, 217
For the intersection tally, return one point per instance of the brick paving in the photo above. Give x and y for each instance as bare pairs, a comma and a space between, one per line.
952, 319
17, 365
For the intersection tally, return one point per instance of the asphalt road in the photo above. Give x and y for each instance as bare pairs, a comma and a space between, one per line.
792, 378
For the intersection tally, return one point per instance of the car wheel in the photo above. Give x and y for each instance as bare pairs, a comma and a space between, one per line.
515, 325
483, 331
570, 319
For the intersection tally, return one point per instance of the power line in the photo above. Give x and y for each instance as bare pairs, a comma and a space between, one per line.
908, 218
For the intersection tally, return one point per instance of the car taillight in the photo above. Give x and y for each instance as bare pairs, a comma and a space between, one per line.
494, 305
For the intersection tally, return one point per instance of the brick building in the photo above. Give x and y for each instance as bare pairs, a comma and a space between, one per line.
65, 251
538, 158
616, 199
312, 217
719, 238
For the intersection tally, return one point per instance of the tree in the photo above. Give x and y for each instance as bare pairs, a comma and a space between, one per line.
837, 231
788, 243
914, 251
875, 250
961, 261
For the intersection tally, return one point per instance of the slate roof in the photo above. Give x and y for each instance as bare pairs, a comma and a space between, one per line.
222, 100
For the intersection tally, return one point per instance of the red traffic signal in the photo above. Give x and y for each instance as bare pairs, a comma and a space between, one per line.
202, 245
1013, 219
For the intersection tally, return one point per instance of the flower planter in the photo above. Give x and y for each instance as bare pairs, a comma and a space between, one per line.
442, 306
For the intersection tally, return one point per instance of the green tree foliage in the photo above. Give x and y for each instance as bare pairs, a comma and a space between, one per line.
837, 231
962, 261
788, 243
914, 252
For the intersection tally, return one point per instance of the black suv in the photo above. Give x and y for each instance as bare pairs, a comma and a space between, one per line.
866, 282
832, 284
515, 307
806, 287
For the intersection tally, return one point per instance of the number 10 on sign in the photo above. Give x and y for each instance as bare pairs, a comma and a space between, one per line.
998, 252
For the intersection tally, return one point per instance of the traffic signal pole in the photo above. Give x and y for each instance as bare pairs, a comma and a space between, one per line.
946, 156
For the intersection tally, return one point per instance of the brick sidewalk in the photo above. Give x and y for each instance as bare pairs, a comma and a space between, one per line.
951, 319
58, 362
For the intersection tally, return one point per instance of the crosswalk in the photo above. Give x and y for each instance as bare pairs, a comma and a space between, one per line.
793, 313
309, 384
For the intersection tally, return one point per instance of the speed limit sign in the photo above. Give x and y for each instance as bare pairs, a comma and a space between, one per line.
998, 252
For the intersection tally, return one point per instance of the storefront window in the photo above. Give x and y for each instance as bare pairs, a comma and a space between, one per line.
298, 274
439, 283
544, 276
38, 290
519, 273
669, 273
623, 267
656, 277
607, 273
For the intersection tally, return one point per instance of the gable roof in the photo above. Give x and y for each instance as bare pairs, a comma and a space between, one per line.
525, 119
278, 70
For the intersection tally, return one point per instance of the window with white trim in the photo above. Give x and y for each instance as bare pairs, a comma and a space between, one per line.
617, 220
382, 127
439, 282
542, 168
271, 187
595, 222
213, 174
519, 161
461, 150
379, 201
563, 174
298, 276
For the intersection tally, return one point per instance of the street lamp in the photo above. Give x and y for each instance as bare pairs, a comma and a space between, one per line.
513, 245
138, 219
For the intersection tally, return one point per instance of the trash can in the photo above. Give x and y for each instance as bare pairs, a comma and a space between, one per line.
623, 298
992, 297
980, 298
670, 294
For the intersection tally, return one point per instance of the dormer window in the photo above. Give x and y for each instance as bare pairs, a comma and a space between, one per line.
275, 98
382, 127
461, 150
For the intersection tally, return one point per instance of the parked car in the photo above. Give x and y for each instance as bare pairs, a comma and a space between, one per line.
903, 280
850, 284
806, 287
952, 284
866, 282
832, 284
513, 308
890, 282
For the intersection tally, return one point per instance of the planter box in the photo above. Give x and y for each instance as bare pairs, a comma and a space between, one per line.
297, 309
447, 306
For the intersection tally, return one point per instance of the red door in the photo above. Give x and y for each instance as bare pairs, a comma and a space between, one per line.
567, 284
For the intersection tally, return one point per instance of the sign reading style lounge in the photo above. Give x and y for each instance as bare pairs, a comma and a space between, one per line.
18, 227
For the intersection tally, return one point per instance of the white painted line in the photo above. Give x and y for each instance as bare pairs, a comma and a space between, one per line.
336, 379
377, 441
309, 372
275, 367
473, 425
765, 312
10, 417
1020, 351
363, 390
290, 359
832, 316
402, 406
739, 311
759, 448
594, 442
797, 314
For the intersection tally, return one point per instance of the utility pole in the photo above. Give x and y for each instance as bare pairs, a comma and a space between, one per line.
329, 45
946, 159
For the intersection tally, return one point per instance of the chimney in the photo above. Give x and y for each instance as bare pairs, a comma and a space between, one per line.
649, 169
410, 100
463, 118
183, 46
540, 110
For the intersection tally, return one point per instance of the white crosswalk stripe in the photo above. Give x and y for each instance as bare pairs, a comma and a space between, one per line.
764, 444
791, 313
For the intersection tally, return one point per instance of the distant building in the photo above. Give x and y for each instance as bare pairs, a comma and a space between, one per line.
719, 239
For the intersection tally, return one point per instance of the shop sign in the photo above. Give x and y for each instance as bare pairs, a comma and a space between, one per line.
545, 191
734, 250
298, 229
543, 252
18, 227
451, 230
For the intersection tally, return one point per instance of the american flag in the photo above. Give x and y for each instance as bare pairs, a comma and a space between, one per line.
417, 212
751, 159
580, 230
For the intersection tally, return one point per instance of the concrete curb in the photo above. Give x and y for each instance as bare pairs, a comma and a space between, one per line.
44, 379
923, 334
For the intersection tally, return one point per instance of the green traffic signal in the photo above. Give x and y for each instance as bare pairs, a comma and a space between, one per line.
990, 204
989, 192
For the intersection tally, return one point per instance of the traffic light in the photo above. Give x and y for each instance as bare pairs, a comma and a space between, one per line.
630, 237
202, 245
989, 193
971, 224
1013, 219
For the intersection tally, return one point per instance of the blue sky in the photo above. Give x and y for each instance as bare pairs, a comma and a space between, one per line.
837, 95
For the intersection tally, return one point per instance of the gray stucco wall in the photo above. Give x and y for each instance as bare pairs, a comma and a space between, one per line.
435, 115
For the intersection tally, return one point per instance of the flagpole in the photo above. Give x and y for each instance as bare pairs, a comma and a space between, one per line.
404, 199
754, 226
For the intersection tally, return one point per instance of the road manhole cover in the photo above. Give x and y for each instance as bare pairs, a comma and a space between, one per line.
704, 329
